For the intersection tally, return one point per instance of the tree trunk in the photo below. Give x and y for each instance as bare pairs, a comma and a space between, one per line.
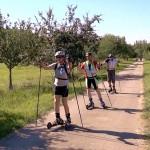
10, 78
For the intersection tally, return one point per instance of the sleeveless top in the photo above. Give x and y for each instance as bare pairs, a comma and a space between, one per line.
90, 70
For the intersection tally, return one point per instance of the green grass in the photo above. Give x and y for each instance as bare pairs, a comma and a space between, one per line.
147, 100
18, 107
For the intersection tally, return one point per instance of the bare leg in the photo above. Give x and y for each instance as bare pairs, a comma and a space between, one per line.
57, 109
98, 93
66, 108
56, 103
100, 97
65, 104
89, 93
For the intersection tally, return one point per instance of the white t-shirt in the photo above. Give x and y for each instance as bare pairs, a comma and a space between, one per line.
111, 64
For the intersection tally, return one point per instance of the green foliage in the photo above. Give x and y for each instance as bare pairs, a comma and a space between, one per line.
71, 35
115, 45
140, 48
146, 53
18, 43
147, 100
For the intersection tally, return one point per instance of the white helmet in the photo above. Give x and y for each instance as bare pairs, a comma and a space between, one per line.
110, 55
60, 53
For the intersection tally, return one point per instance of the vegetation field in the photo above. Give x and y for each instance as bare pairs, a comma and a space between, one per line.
19, 106
147, 100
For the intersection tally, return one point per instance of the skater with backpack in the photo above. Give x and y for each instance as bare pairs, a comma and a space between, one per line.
111, 63
90, 68
62, 69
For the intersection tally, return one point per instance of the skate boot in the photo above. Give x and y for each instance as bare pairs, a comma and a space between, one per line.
102, 104
110, 90
114, 90
90, 105
58, 121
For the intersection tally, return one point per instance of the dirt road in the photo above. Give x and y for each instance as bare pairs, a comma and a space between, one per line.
117, 128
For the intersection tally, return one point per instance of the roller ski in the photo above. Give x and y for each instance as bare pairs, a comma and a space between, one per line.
58, 121
103, 104
66, 124
90, 105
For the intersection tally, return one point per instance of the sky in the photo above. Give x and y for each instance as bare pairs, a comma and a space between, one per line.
128, 18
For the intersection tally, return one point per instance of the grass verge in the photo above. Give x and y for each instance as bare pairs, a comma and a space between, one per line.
147, 101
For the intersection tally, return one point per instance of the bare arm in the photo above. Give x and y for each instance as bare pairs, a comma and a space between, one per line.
80, 67
105, 61
46, 67
70, 67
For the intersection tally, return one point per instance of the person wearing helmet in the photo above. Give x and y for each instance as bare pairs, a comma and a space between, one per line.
90, 68
62, 70
111, 63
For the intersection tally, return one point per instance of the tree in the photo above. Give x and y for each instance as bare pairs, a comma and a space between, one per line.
115, 45
18, 43
71, 35
140, 48
147, 52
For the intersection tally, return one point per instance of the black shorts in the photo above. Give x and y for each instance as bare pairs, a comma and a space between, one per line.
111, 76
92, 81
61, 90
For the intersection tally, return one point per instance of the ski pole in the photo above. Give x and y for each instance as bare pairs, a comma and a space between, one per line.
38, 96
82, 93
119, 81
77, 100
105, 89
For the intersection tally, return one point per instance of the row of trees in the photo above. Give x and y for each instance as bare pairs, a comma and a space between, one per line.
23, 42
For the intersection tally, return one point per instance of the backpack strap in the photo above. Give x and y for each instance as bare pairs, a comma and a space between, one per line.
93, 63
65, 67
55, 66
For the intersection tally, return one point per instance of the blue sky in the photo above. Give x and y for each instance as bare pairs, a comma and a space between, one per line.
129, 18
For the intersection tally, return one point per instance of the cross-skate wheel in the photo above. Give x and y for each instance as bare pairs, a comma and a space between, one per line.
67, 126
49, 125
87, 107
105, 107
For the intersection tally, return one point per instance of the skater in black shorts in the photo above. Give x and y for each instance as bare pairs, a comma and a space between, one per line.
62, 70
90, 68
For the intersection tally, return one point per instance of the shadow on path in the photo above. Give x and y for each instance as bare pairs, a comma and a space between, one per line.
121, 136
127, 110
